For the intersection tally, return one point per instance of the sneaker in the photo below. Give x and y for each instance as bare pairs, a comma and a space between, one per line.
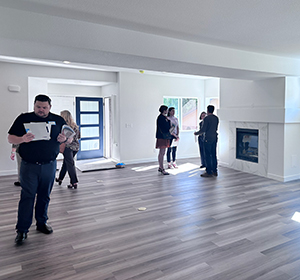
174, 165
215, 174
206, 175
170, 166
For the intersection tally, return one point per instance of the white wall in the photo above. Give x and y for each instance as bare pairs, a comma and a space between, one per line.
292, 129
112, 91
12, 104
135, 102
274, 101
140, 97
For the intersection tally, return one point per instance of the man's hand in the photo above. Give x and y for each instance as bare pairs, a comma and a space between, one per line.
27, 137
61, 138
69, 140
12, 155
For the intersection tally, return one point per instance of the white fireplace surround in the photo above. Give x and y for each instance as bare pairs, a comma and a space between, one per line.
260, 168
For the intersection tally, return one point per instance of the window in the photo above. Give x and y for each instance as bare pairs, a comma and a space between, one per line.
186, 110
212, 101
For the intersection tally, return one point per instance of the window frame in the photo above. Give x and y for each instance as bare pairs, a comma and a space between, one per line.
179, 110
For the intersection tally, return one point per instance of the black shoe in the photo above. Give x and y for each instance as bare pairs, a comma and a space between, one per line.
72, 186
17, 184
162, 171
206, 175
215, 174
202, 166
20, 238
58, 181
44, 228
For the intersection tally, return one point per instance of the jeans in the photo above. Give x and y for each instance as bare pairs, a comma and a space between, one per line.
202, 151
36, 181
173, 150
68, 165
211, 156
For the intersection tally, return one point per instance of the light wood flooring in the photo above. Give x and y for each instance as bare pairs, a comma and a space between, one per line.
233, 227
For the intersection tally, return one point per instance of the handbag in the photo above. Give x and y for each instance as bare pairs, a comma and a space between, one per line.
166, 135
62, 147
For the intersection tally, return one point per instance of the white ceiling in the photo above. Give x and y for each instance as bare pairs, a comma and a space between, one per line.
262, 26
265, 26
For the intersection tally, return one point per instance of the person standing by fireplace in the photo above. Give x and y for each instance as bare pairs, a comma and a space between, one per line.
210, 127
201, 139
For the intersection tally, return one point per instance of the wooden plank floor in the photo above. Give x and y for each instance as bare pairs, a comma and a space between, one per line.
233, 227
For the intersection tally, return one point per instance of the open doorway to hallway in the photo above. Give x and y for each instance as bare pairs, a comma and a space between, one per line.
64, 94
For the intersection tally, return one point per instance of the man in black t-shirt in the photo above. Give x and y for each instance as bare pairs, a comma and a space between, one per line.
38, 165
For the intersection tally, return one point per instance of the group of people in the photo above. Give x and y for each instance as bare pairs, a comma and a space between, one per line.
167, 132
37, 158
37, 164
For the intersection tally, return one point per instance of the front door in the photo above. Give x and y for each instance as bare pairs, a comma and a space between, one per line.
89, 117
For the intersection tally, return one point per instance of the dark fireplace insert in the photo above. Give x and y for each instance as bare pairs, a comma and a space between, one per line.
247, 144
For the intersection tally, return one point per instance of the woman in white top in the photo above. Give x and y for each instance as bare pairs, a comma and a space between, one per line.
174, 140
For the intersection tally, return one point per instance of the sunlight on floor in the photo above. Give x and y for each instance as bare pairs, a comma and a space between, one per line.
94, 164
296, 217
186, 167
144, 168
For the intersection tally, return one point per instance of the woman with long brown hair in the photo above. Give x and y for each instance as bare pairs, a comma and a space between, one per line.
69, 153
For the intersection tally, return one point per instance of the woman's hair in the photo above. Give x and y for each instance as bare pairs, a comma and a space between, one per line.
163, 108
201, 114
68, 118
169, 110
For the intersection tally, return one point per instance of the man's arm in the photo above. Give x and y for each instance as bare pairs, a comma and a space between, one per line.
202, 130
13, 139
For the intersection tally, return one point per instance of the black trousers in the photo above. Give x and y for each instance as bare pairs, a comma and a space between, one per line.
68, 165
211, 156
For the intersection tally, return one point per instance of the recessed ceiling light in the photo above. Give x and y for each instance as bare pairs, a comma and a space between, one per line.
66, 62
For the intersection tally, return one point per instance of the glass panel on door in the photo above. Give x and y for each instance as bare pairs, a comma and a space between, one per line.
89, 114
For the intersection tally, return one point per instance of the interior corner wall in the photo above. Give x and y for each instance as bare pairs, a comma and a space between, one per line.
140, 98
276, 151
112, 91
223, 143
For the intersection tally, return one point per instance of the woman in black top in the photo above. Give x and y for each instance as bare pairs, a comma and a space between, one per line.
163, 137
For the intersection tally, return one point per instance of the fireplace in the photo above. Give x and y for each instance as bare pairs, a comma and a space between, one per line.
260, 165
247, 144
